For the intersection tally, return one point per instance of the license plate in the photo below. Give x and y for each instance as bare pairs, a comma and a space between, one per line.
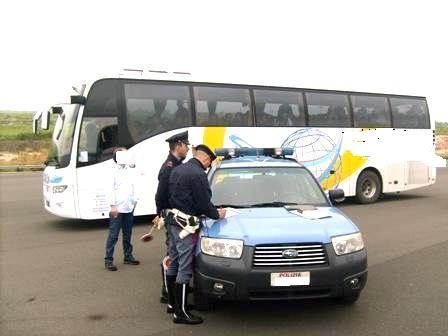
290, 279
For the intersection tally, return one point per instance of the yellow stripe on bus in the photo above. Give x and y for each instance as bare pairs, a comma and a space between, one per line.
214, 137
350, 163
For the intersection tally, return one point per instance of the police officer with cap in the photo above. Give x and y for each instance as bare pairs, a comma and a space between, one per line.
190, 197
178, 144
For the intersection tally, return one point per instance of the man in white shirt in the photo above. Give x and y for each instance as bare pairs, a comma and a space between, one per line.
123, 200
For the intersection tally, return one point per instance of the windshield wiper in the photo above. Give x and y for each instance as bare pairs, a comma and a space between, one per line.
272, 204
231, 206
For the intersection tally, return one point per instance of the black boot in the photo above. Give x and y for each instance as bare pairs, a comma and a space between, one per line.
170, 284
181, 314
164, 295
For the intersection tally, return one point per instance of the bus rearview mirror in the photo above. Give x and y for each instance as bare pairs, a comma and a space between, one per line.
35, 126
45, 123
81, 100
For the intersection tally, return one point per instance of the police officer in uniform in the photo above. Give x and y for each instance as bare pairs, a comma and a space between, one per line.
190, 198
178, 145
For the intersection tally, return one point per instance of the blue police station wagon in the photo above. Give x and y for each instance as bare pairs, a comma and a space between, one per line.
282, 238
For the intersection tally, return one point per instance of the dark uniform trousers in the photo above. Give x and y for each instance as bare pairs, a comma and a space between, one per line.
181, 252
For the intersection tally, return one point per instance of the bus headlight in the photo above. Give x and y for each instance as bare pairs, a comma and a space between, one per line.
348, 243
226, 248
59, 189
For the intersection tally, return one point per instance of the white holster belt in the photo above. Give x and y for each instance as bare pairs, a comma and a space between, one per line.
188, 223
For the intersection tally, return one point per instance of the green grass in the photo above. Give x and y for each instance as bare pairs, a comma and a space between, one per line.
19, 126
441, 128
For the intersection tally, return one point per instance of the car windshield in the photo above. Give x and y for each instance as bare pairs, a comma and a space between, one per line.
265, 186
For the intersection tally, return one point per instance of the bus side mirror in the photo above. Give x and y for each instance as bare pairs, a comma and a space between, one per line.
35, 126
336, 195
81, 100
45, 123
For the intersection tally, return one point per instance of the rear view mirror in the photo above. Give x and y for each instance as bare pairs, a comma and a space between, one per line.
35, 126
336, 195
81, 100
45, 123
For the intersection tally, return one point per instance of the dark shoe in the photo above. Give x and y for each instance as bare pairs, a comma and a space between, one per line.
131, 262
181, 313
110, 266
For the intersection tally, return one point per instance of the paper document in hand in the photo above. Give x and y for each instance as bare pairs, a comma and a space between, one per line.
230, 212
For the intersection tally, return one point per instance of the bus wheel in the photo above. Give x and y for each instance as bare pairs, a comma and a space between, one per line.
368, 187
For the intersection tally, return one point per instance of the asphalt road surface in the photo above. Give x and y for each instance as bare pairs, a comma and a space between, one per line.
53, 281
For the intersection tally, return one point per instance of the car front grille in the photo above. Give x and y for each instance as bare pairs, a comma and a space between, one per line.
295, 255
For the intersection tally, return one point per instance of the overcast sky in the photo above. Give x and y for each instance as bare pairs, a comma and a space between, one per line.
376, 46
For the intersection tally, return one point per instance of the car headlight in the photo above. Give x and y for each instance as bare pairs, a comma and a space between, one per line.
226, 248
348, 243
59, 189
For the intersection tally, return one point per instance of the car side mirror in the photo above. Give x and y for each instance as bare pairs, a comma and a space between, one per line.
336, 195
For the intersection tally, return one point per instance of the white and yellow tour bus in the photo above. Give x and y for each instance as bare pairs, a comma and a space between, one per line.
364, 143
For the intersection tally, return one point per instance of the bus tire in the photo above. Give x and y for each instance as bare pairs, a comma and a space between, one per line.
368, 187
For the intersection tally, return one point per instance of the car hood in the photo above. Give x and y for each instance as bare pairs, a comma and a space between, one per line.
278, 225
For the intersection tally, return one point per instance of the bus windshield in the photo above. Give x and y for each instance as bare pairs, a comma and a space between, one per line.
61, 146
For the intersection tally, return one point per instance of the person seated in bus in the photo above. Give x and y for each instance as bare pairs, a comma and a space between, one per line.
239, 119
284, 115
107, 142
265, 119
213, 119
182, 115
336, 116
228, 119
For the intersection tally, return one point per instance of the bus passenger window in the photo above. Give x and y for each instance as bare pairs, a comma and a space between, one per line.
279, 108
217, 106
409, 113
328, 110
371, 111
152, 109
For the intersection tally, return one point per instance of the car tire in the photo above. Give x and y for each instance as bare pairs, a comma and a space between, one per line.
368, 187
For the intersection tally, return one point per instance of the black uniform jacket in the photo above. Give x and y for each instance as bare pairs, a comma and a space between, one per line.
163, 193
190, 191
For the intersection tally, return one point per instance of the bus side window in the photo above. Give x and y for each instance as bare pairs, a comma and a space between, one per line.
371, 111
155, 108
279, 108
222, 106
328, 109
409, 113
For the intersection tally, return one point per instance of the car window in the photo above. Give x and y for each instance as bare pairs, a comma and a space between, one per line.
248, 186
